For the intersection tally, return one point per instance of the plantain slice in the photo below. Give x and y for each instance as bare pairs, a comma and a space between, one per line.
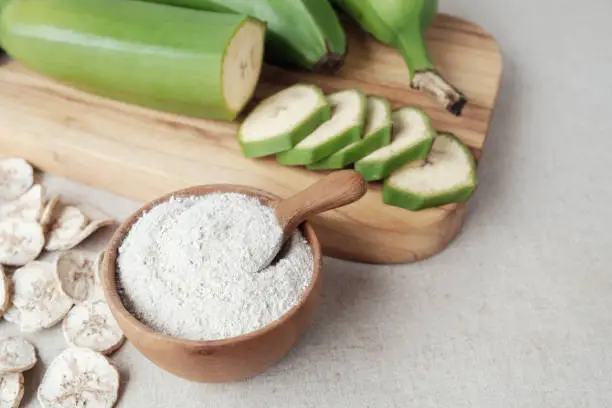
448, 175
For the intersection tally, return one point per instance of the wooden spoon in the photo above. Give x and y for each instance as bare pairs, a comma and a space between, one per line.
335, 190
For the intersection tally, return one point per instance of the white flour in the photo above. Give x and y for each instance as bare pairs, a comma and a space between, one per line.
185, 267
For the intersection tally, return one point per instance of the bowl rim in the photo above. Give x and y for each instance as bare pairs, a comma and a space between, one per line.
109, 268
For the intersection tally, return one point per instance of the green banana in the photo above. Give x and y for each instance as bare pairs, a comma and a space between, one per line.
3, 4
430, 9
302, 33
193, 63
402, 24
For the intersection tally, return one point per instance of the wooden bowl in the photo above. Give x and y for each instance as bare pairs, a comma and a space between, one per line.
214, 361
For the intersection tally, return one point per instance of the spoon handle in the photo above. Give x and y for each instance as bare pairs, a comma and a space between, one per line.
334, 190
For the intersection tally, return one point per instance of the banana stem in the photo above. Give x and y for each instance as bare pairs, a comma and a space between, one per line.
432, 82
410, 43
423, 74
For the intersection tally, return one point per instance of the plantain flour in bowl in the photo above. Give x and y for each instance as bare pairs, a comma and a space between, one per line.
185, 268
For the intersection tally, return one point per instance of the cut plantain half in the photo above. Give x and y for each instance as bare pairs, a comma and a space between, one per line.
448, 175
376, 135
345, 127
411, 140
282, 120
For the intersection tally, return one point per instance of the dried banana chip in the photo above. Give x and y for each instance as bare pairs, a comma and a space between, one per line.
98, 220
92, 325
99, 263
11, 390
27, 207
5, 291
98, 289
94, 213
48, 212
77, 272
12, 315
89, 230
79, 377
20, 241
16, 355
65, 227
38, 297
16, 177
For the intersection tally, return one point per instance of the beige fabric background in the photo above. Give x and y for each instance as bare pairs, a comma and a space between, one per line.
516, 313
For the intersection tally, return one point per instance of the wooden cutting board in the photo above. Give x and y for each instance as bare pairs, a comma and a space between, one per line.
142, 153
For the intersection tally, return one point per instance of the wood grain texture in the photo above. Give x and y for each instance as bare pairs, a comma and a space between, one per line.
142, 153
335, 190
214, 361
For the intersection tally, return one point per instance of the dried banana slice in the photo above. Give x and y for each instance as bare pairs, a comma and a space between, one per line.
38, 298
92, 325
79, 377
12, 315
94, 213
98, 220
77, 272
66, 225
20, 241
98, 289
11, 390
89, 230
99, 263
16, 177
46, 216
16, 355
74, 224
5, 291
28, 207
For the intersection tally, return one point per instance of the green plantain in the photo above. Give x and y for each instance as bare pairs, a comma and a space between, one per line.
402, 24
3, 3
193, 63
303, 33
